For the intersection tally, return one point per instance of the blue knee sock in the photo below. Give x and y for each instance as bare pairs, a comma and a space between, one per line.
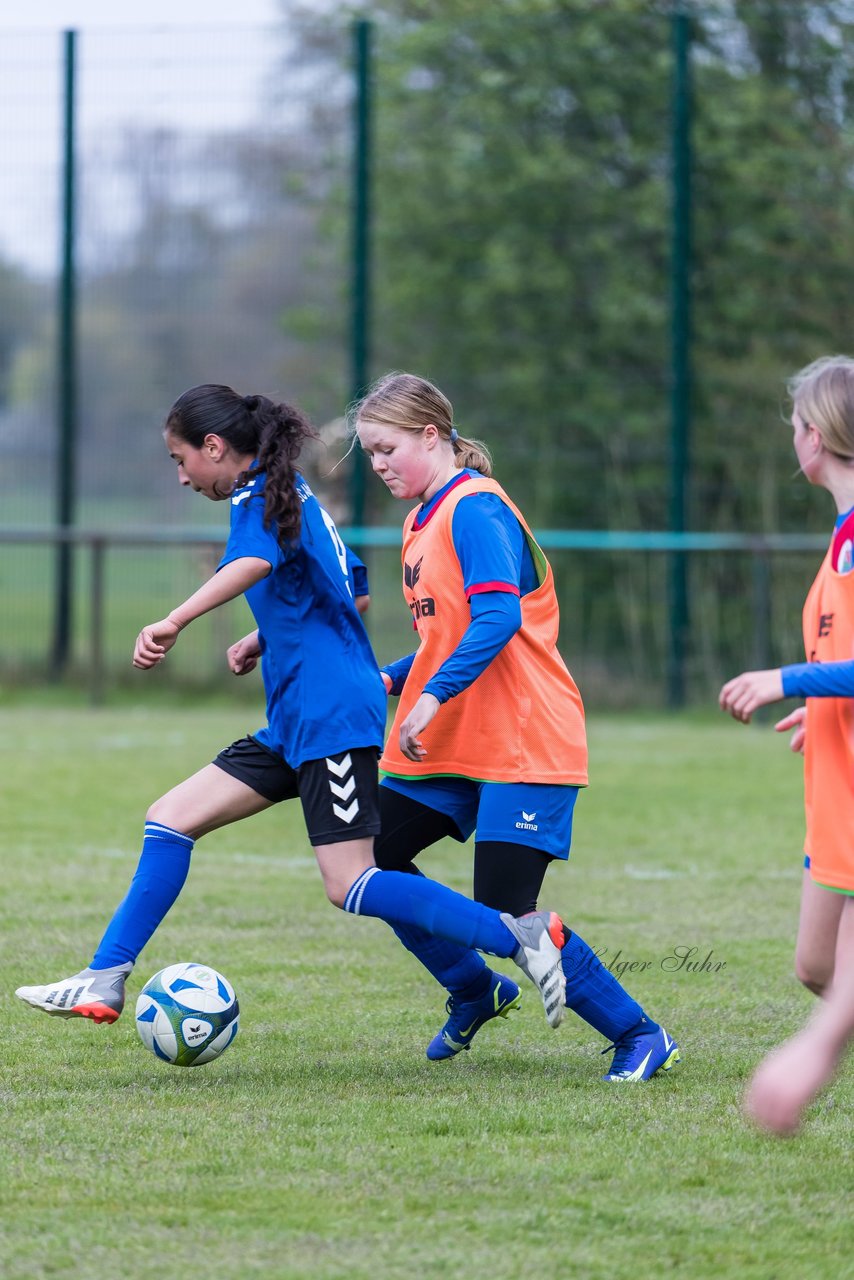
160, 875
402, 899
596, 995
459, 970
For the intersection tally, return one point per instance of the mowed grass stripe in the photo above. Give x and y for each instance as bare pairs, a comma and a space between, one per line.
323, 1143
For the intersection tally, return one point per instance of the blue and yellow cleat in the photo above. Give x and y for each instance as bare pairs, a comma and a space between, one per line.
638, 1057
466, 1018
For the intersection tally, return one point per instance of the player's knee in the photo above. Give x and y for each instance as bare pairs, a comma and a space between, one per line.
162, 812
336, 894
336, 888
815, 977
155, 813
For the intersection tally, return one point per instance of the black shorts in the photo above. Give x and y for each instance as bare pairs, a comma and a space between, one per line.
339, 794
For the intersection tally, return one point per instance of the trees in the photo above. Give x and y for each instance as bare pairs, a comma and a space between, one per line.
522, 237
521, 257
522, 246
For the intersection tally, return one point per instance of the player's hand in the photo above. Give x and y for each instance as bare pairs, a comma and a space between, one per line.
796, 720
154, 642
415, 723
744, 694
243, 655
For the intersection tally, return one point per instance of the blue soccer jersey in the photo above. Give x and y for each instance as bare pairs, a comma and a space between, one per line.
357, 573
324, 691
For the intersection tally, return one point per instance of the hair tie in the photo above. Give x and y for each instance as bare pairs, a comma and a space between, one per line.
251, 403
454, 435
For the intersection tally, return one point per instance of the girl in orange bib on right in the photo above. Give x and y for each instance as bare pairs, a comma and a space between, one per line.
823, 424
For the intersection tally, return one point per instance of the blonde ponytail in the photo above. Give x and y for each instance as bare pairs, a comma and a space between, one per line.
472, 454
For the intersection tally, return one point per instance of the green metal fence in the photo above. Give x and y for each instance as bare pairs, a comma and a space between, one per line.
608, 231
747, 591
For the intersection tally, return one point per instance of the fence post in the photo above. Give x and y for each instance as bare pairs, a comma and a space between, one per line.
97, 672
680, 404
361, 249
67, 379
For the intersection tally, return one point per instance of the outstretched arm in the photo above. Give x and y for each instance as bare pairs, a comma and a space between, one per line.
744, 694
155, 640
752, 689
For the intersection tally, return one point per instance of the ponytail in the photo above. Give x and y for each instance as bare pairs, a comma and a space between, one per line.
281, 431
472, 454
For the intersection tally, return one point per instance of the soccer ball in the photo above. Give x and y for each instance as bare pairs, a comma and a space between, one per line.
187, 1014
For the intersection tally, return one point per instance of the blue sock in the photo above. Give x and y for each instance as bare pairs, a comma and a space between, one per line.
459, 970
596, 995
159, 878
402, 899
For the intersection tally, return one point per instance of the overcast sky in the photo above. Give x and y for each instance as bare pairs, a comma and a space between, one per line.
83, 15
197, 64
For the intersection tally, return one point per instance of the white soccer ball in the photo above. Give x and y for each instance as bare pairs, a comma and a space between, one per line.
187, 1014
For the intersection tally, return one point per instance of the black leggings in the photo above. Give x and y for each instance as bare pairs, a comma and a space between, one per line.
507, 877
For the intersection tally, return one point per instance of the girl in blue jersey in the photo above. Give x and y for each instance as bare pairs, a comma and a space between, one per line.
326, 709
520, 816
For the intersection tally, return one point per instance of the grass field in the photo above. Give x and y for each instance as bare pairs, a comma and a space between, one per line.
324, 1144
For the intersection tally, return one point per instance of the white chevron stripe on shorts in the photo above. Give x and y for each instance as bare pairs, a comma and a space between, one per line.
339, 769
343, 789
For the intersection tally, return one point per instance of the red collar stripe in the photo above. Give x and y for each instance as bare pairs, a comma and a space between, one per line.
420, 523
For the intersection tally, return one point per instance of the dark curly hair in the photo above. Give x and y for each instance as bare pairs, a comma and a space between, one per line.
250, 424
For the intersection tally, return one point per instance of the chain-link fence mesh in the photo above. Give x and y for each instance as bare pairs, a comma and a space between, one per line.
522, 257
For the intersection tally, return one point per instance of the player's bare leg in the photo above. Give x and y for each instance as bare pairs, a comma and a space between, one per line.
817, 927
204, 802
790, 1077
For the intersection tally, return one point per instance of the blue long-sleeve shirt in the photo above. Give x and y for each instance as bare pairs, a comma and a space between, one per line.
498, 569
818, 680
496, 617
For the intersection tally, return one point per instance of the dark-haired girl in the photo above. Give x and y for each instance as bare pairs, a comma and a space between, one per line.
326, 710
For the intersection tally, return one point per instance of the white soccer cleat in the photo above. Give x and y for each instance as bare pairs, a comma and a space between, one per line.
540, 938
98, 994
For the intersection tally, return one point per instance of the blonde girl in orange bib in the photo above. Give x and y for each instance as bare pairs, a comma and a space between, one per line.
488, 738
823, 425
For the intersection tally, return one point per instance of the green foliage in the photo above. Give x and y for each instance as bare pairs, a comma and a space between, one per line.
522, 210
523, 254
774, 210
524, 242
521, 238
323, 1143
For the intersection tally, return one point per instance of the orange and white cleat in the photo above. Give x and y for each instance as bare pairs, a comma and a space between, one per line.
540, 938
98, 994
